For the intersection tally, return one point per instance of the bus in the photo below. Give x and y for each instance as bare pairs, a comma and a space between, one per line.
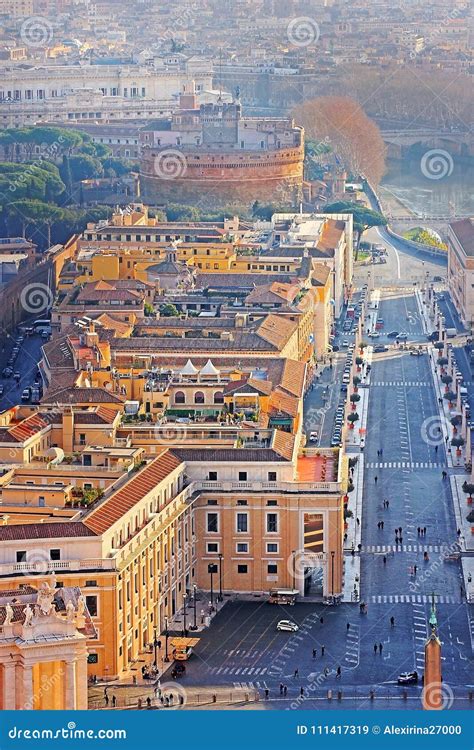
283, 596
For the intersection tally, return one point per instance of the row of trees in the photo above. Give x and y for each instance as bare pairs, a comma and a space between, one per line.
39, 180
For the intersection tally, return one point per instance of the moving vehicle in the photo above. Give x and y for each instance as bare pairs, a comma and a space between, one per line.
380, 348
182, 648
288, 625
313, 436
178, 670
403, 335
374, 335
416, 352
408, 678
451, 333
25, 396
283, 596
345, 342
392, 334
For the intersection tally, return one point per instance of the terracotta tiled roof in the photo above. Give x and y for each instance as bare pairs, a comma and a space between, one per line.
277, 329
331, 235
283, 402
293, 376
28, 531
250, 385
283, 444
320, 274
25, 429
115, 506
83, 396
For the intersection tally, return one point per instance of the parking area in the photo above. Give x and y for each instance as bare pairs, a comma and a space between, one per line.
19, 359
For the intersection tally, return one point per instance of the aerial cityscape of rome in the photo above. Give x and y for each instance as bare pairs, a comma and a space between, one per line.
236, 356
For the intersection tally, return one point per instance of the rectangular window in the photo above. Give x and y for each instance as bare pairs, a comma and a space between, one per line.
272, 547
91, 602
272, 569
212, 547
242, 523
21, 556
242, 547
242, 476
91, 583
54, 554
212, 477
212, 523
242, 569
272, 523
272, 476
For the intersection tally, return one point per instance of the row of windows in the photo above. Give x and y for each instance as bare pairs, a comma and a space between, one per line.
212, 476
199, 397
242, 525
242, 548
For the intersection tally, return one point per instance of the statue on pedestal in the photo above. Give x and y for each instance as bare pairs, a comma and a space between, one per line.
28, 616
8, 614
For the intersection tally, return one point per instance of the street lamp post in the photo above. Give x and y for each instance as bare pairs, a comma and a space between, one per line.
332, 571
166, 640
212, 568
220, 577
155, 645
195, 603
184, 614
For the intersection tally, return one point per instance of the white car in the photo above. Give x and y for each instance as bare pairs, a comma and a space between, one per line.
374, 334
287, 625
402, 335
345, 342
313, 436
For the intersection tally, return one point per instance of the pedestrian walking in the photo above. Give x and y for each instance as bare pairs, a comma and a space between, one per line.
285, 690
321, 620
384, 560
387, 504
375, 479
314, 653
418, 529
106, 700
358, 521
436, 449
375, 648
114, 701
392, 622
296, 673
380, 647
415, 568
139, 703
382, 524
148, 702
424, 530
338, 672
348, 627
302, 692
323, 648
267, 693
281, 688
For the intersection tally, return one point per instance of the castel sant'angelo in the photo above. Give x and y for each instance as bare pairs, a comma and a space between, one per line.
210, 155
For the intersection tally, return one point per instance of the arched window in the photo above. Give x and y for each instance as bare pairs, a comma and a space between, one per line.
179, 397
199, 397
219, 397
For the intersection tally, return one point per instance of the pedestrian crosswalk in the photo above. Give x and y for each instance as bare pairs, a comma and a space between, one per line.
402, 383
403, 465
412, 599
241, 671
373, 549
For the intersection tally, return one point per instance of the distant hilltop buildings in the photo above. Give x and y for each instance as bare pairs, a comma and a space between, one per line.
212, 155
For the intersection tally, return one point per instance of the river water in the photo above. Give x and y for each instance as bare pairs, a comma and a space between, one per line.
436, 188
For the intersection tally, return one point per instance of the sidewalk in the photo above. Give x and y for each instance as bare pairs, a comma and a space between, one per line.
175, 695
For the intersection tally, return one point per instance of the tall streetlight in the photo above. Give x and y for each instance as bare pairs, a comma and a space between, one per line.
156, 644
220, 577
332, 571
185, 596
212, 568
195, 603
166, 640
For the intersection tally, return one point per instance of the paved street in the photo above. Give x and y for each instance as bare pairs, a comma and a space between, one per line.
243, 647
26, 365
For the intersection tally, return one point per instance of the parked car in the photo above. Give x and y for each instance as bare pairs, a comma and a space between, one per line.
374, 335
25, 396
416, 352
392, 334
313, 436
7, 372
288, 625
403, 336
344, 388
408, 678
380, 348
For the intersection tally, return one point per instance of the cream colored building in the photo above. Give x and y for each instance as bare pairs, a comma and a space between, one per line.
461, 268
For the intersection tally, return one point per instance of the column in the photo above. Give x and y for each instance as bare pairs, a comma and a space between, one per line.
69, 685
9, 686
27, 687
81, 682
